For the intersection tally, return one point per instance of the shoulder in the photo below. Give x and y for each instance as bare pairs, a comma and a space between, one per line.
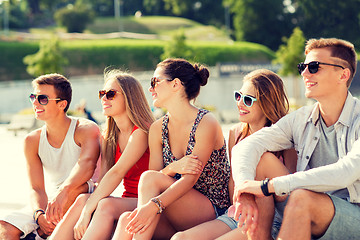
209, 125
157, 125
86, 129
32, 139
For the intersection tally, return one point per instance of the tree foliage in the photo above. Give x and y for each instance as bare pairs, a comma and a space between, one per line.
263, 22
291, 53
327, 18
48, 59
177, 47
74, 18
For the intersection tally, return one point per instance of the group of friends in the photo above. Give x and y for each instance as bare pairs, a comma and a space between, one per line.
292, 175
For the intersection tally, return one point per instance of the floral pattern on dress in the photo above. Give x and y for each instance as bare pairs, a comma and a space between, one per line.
214, 179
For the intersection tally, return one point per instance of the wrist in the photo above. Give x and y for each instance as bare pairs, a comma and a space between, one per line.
159, 204
265, 187
37, 214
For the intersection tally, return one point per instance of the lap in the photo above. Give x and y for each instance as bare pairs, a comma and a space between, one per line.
22, 220
346, 221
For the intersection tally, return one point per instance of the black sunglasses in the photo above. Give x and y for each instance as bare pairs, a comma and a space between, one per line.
314, 66
110, 94
155, 80
42, 99
247, 99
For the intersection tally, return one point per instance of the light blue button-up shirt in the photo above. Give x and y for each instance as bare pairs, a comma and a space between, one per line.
300, 130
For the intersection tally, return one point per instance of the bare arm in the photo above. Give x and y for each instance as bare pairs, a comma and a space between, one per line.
87, 137
134, 150
38, 196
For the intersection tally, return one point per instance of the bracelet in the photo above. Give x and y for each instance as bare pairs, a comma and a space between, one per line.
265, 187
159, 204
36, 215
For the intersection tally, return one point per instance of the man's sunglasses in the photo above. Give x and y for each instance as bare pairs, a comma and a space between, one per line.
314, 66
155, 80
247, 99
42, 99
110, 94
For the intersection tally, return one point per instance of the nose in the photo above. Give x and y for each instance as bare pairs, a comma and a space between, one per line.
306, 71
151, 89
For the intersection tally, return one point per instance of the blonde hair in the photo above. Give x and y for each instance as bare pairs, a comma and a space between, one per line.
271, 96
137, 108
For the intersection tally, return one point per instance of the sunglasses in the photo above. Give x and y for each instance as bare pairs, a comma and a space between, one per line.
314, 66
155, 81
42, 99
247, 99
110, 94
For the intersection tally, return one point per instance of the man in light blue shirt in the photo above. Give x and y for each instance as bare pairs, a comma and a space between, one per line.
325, 190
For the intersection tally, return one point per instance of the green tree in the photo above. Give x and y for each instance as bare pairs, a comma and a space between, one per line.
264, 22
177, 47
48, 59
328, 18
291, 53
74, 17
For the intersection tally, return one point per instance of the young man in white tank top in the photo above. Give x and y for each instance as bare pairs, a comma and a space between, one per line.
62, 156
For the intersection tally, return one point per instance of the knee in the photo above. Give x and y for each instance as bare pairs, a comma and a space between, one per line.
105, 207
150, 179
123, 220
8, 231
299, 202
180, 236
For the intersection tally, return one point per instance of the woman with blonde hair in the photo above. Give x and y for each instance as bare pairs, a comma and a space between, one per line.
261, 102
125, 155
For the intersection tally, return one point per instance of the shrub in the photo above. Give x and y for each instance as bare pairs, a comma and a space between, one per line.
74, 18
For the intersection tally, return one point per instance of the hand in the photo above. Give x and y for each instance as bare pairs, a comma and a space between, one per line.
55, 208
81, 225
45, 226
246, 209
188, 164
141, 218
252, 187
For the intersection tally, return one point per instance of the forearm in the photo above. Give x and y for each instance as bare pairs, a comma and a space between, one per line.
168, 171
107, 185
38, 199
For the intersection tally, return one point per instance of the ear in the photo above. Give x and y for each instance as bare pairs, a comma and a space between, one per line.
345, 75
62, 104
176, 84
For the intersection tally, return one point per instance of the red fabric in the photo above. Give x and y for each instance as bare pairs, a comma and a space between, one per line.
131, 179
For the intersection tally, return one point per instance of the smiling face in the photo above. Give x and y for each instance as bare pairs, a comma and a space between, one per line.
160, 92
325, 81
115, 106
52, 108
252, 115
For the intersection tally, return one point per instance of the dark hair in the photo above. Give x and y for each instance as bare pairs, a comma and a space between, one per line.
61, 85
191, 76
341, 49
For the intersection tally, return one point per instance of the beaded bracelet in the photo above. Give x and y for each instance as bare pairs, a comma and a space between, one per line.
36, 215
159, 204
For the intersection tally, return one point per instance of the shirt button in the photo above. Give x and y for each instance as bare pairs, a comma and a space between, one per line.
315, 138
307, 157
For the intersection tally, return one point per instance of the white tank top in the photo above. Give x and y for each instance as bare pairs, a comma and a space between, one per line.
58, 162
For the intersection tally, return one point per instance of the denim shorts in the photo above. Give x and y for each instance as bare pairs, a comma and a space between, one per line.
231, 222
346, 221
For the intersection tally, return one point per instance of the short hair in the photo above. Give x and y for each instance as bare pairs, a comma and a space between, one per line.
341, 49
192, 76
61, 85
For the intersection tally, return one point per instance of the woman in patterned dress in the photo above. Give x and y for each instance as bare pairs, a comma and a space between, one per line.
188, 181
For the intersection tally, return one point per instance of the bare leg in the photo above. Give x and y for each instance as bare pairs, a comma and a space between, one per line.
205, 231
65, 229
191, 209
303, 217
9, 231
106, 214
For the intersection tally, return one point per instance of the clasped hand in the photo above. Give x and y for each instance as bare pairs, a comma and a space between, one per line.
189, 164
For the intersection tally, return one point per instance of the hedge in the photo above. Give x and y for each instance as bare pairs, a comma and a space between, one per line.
92, 56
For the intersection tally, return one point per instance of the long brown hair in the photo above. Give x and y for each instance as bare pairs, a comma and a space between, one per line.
271, 96
137, 109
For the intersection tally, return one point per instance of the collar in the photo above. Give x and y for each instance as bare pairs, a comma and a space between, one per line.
345, 116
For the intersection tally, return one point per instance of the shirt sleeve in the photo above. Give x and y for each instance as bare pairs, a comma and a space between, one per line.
247, 153
325, 178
